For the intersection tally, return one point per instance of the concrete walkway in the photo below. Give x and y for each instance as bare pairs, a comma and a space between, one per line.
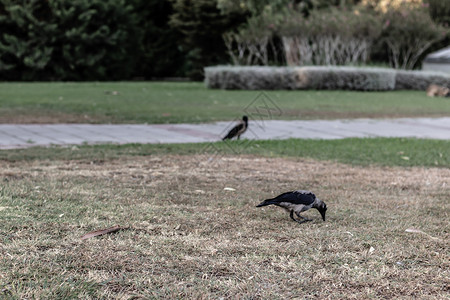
22, 135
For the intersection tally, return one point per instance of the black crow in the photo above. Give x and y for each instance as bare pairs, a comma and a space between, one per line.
238, 129
297, 201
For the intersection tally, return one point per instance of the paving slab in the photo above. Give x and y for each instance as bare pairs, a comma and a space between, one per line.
14, 136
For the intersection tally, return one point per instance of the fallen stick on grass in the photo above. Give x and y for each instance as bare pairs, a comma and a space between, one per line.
101, 232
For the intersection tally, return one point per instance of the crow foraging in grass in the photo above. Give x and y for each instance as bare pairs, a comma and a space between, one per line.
297, 202
237, 130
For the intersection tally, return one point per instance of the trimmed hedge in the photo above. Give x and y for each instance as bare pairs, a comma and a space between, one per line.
320, 78
419, 80
346, 78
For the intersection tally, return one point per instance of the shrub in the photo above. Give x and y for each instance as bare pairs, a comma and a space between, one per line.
250, 78
408, 32
329, 37
66, 40
346, 78
439, 11
332, 78
250, 44
419, 80
320, 77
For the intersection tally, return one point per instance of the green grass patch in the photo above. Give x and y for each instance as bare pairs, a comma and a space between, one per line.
405, 152
178, 102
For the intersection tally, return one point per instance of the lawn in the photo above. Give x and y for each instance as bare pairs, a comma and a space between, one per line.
184, 236
178, 102
406, 152
189, 228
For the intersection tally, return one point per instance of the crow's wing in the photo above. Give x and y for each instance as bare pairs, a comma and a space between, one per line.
234, 131
296, 197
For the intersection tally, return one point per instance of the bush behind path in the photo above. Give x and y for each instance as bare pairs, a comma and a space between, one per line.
320, 78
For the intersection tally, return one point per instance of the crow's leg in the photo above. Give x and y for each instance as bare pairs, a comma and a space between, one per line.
239, 137
302, 217
300, 222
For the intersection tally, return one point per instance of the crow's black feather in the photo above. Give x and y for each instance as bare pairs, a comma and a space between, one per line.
295, 197
297, 202
234, 131
237, 130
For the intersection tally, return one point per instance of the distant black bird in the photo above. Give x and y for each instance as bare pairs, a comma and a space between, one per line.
297, 201
238, 129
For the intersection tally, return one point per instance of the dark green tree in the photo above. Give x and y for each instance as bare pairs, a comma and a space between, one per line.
160, 52
67, 40
202, 25
258, 7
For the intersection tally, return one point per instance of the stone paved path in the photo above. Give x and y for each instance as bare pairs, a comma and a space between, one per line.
26, 135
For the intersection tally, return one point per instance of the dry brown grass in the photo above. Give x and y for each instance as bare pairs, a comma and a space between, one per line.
186, 237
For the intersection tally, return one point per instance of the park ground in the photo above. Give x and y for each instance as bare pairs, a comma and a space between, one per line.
190, 228
191, 102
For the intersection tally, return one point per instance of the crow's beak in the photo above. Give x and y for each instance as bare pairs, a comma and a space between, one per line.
322, 212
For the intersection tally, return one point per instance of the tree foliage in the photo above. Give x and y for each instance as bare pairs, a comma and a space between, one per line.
202, 25
408, 32
259, 7
124, 39
439, 11
66, 39
329, 37
159, 52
